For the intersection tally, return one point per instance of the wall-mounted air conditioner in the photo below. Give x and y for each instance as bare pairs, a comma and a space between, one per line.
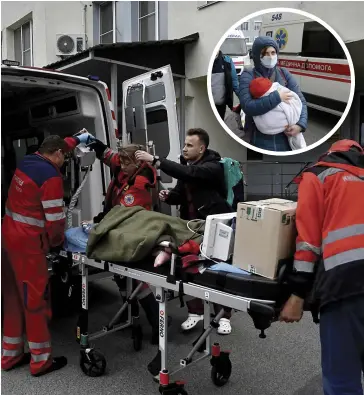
70, 44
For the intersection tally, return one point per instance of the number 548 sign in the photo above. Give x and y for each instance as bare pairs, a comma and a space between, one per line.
276, 17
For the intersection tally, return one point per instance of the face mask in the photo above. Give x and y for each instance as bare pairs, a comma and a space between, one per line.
269, 62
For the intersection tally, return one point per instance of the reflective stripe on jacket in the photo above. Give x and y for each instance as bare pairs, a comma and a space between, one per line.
330, 225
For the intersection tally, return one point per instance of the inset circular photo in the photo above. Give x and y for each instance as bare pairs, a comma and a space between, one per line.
281, 81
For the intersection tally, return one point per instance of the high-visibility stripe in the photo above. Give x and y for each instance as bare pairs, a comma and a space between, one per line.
12, 340
343, 257
322, 77
304, 246
12, 353
328, 172
303, 266
343, 233
52, 203
35, 346
55, 217
41, 357
25, 220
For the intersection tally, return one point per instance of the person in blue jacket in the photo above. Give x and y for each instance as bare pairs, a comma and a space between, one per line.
224, 82
265, 56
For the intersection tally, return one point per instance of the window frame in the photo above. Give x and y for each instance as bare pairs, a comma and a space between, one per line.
113, 31
260, 25
155, 13
242, 26
30, 49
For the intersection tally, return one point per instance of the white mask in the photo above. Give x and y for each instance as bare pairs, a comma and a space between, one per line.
269, 61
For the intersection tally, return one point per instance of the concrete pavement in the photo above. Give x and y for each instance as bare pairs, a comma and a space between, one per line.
287, 362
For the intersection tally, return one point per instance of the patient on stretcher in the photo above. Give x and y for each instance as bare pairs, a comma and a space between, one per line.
131, 234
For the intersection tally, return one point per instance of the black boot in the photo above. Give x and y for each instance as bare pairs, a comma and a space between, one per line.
151, 309
57, 363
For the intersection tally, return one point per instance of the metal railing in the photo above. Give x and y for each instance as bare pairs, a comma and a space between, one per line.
271, 179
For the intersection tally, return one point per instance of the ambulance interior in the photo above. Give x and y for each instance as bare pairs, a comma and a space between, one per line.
32, 110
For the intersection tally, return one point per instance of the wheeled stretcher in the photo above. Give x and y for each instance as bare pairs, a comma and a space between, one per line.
257, 296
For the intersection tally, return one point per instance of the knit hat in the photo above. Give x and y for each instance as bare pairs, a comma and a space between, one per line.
259, 86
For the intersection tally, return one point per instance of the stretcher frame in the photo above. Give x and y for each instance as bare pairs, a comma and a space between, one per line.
163, 285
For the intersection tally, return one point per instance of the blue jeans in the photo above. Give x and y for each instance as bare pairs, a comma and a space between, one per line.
342, 346
276, 142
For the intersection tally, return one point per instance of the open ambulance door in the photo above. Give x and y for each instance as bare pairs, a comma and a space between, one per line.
150, 116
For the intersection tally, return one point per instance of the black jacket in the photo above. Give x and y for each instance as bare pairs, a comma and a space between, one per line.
205, 182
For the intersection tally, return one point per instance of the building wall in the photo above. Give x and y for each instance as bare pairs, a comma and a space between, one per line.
213, 21
49, 19
68, 17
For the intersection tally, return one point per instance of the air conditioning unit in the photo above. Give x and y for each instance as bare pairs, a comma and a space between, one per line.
70, 44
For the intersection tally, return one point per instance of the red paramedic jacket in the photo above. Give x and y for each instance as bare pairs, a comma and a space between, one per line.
128, 191
330, 224
34, 216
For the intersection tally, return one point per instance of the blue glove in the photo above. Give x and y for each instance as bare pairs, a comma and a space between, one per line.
85, 138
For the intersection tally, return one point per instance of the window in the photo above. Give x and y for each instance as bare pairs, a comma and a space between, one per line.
107, 27
245, 26
234, 47
317, 41
148, 21
257, 25
23, 44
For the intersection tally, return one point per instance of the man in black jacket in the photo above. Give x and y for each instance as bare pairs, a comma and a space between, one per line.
200, 191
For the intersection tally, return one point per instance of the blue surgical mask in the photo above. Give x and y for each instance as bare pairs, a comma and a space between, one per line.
269, 61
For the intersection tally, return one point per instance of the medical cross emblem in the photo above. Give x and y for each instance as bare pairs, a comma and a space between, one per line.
129, 199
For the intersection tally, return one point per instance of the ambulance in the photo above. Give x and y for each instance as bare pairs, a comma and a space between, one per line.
315, 58
38, 102
235, 46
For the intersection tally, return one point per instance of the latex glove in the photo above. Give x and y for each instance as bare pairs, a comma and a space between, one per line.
85, 138
292, 310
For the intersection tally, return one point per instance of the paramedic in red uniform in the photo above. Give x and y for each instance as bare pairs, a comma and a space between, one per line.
130, 186
330, 225
34, 223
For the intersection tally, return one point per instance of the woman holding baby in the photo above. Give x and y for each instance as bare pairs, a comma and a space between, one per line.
271, 98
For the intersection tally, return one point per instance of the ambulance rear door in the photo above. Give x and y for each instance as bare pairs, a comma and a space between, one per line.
150, 115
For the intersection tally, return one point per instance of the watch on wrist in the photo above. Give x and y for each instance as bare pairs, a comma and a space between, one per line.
155, 160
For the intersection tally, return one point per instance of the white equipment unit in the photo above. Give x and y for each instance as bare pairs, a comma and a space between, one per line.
218, 240
70, 44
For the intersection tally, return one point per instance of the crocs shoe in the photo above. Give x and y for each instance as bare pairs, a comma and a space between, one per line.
224, 327
191, 322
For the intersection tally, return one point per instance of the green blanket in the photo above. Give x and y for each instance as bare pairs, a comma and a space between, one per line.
129, 234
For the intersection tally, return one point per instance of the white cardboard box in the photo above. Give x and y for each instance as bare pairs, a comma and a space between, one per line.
265, 233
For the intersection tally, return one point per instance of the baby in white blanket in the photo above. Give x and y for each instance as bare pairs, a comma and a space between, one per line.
282, 116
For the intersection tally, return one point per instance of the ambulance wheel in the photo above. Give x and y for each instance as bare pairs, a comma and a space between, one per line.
93, 363
137, 336
221, 370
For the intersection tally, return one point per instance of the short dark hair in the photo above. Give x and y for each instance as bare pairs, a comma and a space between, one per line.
202, 135
52, 144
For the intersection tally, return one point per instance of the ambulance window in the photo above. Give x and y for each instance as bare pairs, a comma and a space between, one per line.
317, 41
157, 121
234, 47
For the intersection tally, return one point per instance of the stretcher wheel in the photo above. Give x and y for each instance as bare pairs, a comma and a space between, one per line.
92, 363
137, 336
221, 370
